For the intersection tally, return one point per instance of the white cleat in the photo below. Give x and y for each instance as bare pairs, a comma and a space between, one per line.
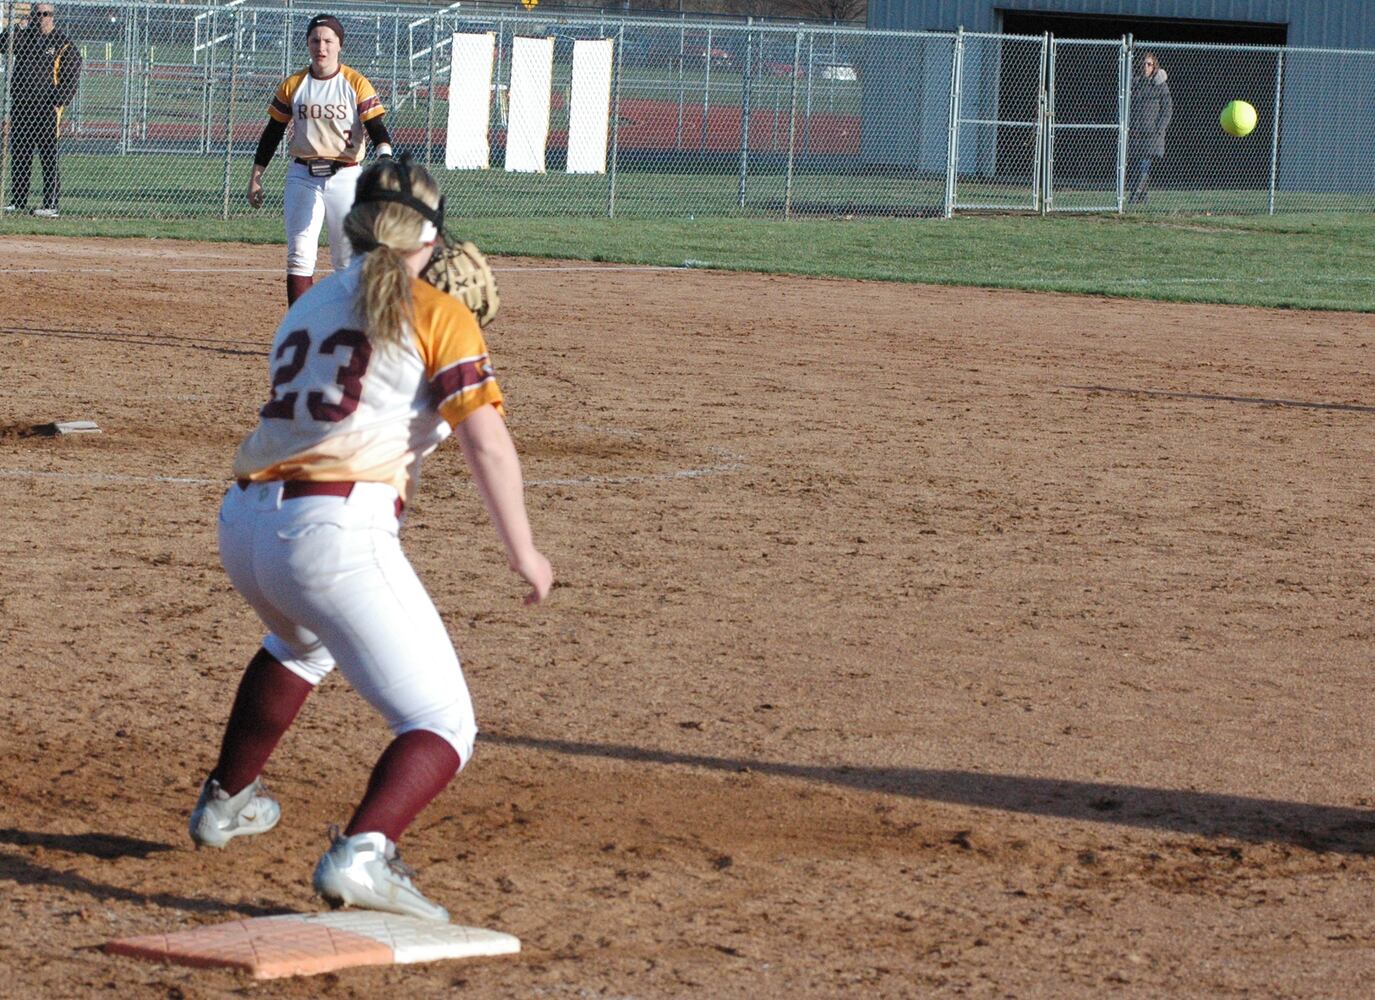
364, 870
220, 817
46, 213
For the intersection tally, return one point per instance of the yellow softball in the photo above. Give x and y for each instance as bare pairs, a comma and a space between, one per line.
1238, 118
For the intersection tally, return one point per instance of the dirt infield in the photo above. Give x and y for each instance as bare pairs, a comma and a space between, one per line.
973, 644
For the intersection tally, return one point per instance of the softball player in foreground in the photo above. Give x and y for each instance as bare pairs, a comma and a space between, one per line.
369, 373
328, 105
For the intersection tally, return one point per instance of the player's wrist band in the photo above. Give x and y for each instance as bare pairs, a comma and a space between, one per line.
383, 150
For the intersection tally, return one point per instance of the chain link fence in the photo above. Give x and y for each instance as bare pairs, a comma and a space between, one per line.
717, 118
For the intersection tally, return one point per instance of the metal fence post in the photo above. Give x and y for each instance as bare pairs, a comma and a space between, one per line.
1048, 130
615, 128
229, 116
952, 153
835, 61
203, 140
682, 86
746, 85
143, 97
807, 115
76, 101
210, 79
777, 115
126, 111
286, 41
1128, 58
706, 89
395, 62
1275, 128
1124, 87
1042, 106
792, 128
429, 109
501, 45
5, 140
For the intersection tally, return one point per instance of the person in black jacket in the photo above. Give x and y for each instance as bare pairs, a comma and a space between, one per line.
1152, 107
46, 67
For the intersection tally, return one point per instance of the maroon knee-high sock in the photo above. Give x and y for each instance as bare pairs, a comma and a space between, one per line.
297, 285
269, 697
410, 773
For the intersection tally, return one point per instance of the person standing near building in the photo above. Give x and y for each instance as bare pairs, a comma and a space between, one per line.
46, 68
1152, 107
328, 105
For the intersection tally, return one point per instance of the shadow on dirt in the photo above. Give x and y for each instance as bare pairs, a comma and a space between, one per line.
1209, 397
25, 871
1320, 828
97, 845
138, 340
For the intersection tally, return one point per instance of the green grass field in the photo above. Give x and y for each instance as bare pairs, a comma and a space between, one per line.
1308, 261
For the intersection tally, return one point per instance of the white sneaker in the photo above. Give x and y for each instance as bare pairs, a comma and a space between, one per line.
46, 213
220, 817
11, 207
364, 870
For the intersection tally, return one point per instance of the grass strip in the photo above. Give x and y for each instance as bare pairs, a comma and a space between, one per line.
1299, 262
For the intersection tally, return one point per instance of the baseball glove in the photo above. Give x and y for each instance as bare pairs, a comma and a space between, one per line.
461, 270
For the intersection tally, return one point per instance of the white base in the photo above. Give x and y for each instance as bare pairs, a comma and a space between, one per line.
70, 427
413, 939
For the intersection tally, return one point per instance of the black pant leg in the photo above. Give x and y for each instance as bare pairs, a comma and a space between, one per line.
22, 143
46, 141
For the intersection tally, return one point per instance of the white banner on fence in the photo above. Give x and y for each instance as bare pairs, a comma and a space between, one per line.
589, 106
527, 131
470, 102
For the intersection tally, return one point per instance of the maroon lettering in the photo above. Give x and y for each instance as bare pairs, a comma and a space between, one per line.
349, 377
281, 407
329, 112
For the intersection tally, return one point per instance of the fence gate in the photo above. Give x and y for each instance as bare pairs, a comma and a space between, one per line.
1088, 83
997, 122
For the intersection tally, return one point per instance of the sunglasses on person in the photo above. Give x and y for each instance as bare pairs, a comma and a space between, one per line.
44, 13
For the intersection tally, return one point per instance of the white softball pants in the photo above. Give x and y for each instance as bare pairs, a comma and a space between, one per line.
310, 202
329, 580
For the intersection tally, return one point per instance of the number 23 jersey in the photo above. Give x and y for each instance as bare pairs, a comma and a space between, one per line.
345, 409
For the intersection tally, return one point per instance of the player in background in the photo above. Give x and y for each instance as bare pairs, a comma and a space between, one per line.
369, 373
45, 71
329, 105
1152, 108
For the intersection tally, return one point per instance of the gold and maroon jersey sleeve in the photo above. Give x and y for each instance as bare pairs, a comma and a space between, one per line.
369, 104
280, 109
455, 355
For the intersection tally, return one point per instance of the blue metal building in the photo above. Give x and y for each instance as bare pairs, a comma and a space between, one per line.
1326, 142
1336, 24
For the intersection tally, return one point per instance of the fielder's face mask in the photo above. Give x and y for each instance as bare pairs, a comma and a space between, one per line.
372, 191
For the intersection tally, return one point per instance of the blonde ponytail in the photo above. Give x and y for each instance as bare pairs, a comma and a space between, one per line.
387, 232
384, 297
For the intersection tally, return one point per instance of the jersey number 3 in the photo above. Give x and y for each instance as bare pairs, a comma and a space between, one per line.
293, 354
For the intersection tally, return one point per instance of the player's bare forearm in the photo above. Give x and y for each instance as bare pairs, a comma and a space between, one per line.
495, 466
255, 186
